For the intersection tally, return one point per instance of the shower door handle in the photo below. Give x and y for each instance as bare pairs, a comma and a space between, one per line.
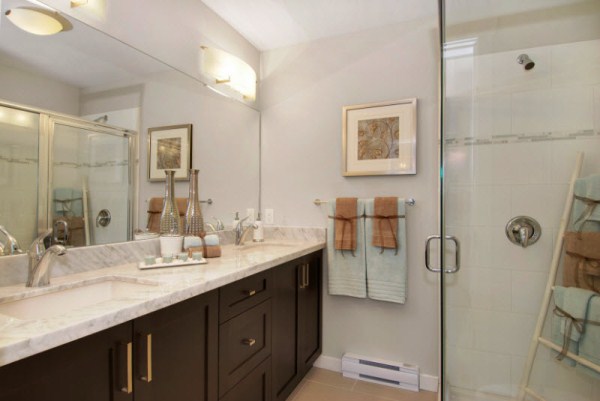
456, 266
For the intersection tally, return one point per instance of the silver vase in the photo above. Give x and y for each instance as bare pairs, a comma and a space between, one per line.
194, 222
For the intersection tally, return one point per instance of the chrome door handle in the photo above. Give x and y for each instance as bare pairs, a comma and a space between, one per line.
456, 266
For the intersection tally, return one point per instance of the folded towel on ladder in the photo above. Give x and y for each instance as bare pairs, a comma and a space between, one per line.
386, 267
346, 268
586, 207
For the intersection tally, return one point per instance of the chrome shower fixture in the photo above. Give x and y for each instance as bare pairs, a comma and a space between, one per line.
526, 61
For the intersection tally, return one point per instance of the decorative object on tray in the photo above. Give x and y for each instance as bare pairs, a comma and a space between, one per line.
380, 138
169, 217
169, 148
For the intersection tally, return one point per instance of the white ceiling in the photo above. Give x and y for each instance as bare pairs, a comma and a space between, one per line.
269, 24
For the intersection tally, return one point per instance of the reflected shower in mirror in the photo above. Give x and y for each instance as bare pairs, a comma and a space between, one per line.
89, 75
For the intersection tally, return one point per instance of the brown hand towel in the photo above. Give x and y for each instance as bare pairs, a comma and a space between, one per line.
345, 224
385, 222
155, 206
76, 230
582, 260
212, 251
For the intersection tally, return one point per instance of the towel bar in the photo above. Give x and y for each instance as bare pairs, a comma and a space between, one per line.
409, 201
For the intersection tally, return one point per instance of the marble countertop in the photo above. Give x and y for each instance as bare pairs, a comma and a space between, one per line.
144, 291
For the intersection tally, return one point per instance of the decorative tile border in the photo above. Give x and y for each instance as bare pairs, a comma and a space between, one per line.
18, 161
521, 138
113, 163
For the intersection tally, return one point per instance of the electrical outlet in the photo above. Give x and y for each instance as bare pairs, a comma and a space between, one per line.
250, 212
269, 215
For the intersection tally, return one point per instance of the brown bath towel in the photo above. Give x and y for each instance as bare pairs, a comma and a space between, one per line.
211, 251
385, 222
345, 223
582, 260
155, 206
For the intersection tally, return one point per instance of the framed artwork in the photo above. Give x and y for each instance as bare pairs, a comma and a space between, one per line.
169, 148
380, 138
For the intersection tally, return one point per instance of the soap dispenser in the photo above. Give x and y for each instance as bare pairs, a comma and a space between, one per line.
258, 235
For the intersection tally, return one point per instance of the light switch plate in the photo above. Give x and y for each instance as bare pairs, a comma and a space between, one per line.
269, 215
250, 212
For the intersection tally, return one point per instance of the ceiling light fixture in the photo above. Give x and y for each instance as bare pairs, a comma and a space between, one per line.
38, 21
226, 69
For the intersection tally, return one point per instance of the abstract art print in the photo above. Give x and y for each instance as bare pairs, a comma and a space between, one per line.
380, 138
169, 148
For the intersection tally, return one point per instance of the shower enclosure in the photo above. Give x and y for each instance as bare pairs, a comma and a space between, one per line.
59, 171
520, 99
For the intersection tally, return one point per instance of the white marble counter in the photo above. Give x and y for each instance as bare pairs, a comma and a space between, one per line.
159, 288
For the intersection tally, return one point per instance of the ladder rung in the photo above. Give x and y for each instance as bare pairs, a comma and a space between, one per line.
534, 394
576, 358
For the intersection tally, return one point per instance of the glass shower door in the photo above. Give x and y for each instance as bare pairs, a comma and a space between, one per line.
90, 187
521, 96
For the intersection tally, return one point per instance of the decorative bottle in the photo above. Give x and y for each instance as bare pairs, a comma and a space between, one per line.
169, 218
194, 223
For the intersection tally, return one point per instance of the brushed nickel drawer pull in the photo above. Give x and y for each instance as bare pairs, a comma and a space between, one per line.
250, 292
148, 377
129, 388
249, 341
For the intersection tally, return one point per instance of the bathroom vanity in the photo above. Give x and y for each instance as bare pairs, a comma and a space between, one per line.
246, 326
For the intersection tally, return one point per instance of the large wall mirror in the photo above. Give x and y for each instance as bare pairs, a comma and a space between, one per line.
98, 84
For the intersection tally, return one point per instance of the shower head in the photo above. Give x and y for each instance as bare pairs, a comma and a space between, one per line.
525, 61
102, 119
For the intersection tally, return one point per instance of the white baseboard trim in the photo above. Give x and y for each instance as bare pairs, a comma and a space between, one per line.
426, 382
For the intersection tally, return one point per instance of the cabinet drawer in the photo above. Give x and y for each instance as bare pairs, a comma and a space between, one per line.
254, 387
242, 295
244, 342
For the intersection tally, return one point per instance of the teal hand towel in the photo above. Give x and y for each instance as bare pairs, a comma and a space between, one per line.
68, 202
558, 322
387, 271
347, 273
584, 211
589, 344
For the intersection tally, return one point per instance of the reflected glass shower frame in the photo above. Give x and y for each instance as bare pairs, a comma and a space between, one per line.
47, 122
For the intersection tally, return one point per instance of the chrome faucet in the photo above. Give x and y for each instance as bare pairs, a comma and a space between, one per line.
241, 232
11, 244
40, 255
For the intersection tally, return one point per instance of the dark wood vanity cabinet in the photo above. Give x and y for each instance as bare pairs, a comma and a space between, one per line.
175, 353
252, 340
92, 369
297, 322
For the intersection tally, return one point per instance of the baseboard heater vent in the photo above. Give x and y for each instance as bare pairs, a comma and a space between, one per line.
394, 374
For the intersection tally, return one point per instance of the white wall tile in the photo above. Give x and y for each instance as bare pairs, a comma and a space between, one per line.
459, 165
491, 114
576, 63
527, 290
459, 327
531, 112
484, 371
572, 108
545, 203
509, 75
476, 244
458, 121
461, 71
564, 154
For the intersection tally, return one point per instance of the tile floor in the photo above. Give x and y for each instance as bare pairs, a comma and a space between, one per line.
325, 385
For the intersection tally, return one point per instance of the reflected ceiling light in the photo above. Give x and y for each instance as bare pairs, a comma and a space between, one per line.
77, 3
38, 21
226, 69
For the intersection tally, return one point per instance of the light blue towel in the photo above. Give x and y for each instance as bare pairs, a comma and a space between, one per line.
190, 241
387, 271
347, 273
68, 202
589, 347
581, 304
588, 187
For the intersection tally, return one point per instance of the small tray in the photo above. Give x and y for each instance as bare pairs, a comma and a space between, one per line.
175, 263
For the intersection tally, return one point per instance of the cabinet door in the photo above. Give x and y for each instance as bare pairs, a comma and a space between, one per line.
176, 352
93, 368
254, 387
309, 312
285, 330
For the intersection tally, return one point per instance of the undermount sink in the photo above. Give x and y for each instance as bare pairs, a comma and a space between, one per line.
64, 300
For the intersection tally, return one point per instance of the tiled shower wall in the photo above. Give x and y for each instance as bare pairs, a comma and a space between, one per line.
512, 137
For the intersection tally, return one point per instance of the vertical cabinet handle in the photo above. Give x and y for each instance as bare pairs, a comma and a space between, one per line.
307, 282
304, 280
129, 386
148, 377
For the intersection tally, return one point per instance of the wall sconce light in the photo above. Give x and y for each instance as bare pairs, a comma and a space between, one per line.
38, 21
224, 68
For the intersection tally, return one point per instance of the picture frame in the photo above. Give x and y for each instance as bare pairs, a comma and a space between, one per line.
380, 138
169, 148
